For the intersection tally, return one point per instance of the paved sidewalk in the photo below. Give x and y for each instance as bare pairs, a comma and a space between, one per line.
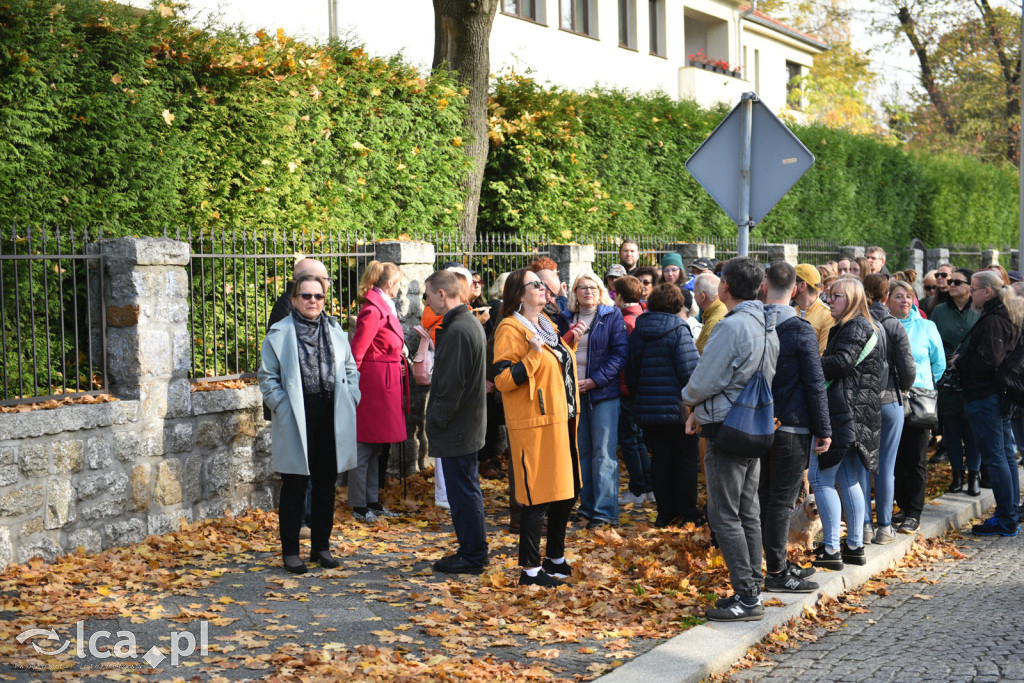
714, 647
963, 628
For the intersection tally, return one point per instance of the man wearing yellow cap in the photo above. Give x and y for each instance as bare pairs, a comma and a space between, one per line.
809, 306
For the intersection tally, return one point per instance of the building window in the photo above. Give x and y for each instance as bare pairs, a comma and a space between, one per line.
524, 9
793, 85
579, 16
627, 24
656, 23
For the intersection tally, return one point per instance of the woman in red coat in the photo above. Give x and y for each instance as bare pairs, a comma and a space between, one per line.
380, 418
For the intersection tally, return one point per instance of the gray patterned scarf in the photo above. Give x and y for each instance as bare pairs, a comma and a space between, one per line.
316, 353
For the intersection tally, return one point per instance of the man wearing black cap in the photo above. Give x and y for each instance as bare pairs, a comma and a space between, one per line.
702, 265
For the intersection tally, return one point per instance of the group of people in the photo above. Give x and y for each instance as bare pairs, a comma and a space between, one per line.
649, 363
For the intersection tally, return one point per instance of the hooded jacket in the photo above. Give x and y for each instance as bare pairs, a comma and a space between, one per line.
899, 358
733, 354
854, 396
926, 347
799, 385
662, 357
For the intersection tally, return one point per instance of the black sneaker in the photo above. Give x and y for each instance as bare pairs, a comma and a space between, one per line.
735, 609
994, 527
854, 555
542, 579
559, 571
910, 525
827, 560
785, 582
798, 571
898, 518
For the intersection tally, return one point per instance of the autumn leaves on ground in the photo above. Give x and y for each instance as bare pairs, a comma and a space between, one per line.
634, 585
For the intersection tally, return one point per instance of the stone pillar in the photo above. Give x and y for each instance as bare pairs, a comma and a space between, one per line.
148, 343
416, 259
691, 251
915, 261
989, 257
572, 260
936, 257
850, 252
790, 253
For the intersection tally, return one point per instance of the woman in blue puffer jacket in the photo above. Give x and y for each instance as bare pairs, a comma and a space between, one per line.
600, 357
662, 356
911, 473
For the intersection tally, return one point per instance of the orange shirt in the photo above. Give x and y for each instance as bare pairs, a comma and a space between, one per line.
430, 321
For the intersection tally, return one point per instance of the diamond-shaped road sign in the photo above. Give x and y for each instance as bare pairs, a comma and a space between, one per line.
777, 160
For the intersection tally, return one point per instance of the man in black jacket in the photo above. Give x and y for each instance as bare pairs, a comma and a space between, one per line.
457, 419
801, 409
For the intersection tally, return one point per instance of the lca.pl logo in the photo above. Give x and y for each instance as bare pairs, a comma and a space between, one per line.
183, 644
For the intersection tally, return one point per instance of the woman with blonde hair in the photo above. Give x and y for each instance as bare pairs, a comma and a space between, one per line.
852, 366
990, 341
600, 356
378, 349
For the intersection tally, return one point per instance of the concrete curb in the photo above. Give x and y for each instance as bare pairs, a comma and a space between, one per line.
714, 647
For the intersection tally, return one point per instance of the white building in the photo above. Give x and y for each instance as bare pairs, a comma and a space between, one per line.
638, 45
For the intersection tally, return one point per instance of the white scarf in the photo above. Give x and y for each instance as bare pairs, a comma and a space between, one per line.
546, 331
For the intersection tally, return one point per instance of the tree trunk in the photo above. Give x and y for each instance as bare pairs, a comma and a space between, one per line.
462, 31
1010, 72
909, 26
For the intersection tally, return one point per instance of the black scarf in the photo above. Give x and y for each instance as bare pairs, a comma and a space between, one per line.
316, 353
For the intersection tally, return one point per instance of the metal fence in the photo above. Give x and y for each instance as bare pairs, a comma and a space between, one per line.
52, 318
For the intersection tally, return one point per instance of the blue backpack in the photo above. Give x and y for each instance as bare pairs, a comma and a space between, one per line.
749, 428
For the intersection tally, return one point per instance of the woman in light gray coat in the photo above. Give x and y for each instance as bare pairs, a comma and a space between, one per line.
309, 381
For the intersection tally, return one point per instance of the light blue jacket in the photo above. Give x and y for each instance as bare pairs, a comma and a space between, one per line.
281, 384
926, 344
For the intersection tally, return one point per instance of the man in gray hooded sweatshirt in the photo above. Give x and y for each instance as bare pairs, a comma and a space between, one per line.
733, 354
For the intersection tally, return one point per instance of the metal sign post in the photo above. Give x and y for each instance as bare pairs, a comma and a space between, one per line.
748, 163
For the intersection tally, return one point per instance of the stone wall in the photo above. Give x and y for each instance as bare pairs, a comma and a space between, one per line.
92, 476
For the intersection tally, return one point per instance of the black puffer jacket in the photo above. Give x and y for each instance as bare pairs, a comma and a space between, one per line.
662, 356
799, 386
854, 396
898, 354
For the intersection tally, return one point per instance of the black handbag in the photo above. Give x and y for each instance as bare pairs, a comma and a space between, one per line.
923, 408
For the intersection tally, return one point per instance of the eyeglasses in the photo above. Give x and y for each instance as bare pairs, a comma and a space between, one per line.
536, 284
478, 283
929, 288
833, 297
941, 276
955, 283
977, 289
587, 289
307, 296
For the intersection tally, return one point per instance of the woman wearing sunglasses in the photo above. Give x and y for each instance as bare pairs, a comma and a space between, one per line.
377, 346
309, 381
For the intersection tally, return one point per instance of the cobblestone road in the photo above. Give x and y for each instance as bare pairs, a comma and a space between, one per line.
971, 630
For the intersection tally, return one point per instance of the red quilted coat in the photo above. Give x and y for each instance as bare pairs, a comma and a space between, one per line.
377, 347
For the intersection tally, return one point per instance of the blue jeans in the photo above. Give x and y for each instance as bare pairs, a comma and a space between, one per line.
892, 427
597, 438
841, 481
994, 435
959, 441
634, 450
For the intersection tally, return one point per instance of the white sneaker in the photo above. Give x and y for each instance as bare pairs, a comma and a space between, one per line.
629, 498
869, 532
651, 498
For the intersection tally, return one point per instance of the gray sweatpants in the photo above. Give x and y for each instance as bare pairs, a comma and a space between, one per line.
735, 516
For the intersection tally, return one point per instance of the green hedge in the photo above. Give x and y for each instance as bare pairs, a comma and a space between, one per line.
137, 121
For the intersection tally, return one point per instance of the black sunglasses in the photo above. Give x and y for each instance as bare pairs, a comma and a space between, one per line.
929, 288
941, 275
537, 284
310, 295
957, 283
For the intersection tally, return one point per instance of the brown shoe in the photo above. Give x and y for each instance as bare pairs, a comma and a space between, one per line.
491, 469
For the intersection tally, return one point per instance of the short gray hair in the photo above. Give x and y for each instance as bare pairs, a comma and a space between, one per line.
706, 284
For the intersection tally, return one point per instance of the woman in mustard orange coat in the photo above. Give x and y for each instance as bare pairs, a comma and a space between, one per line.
535, 371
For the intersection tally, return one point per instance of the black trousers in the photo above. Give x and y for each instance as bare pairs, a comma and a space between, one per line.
323, 470
675, 461
531, 523
495, 419
782, 475
911, 472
